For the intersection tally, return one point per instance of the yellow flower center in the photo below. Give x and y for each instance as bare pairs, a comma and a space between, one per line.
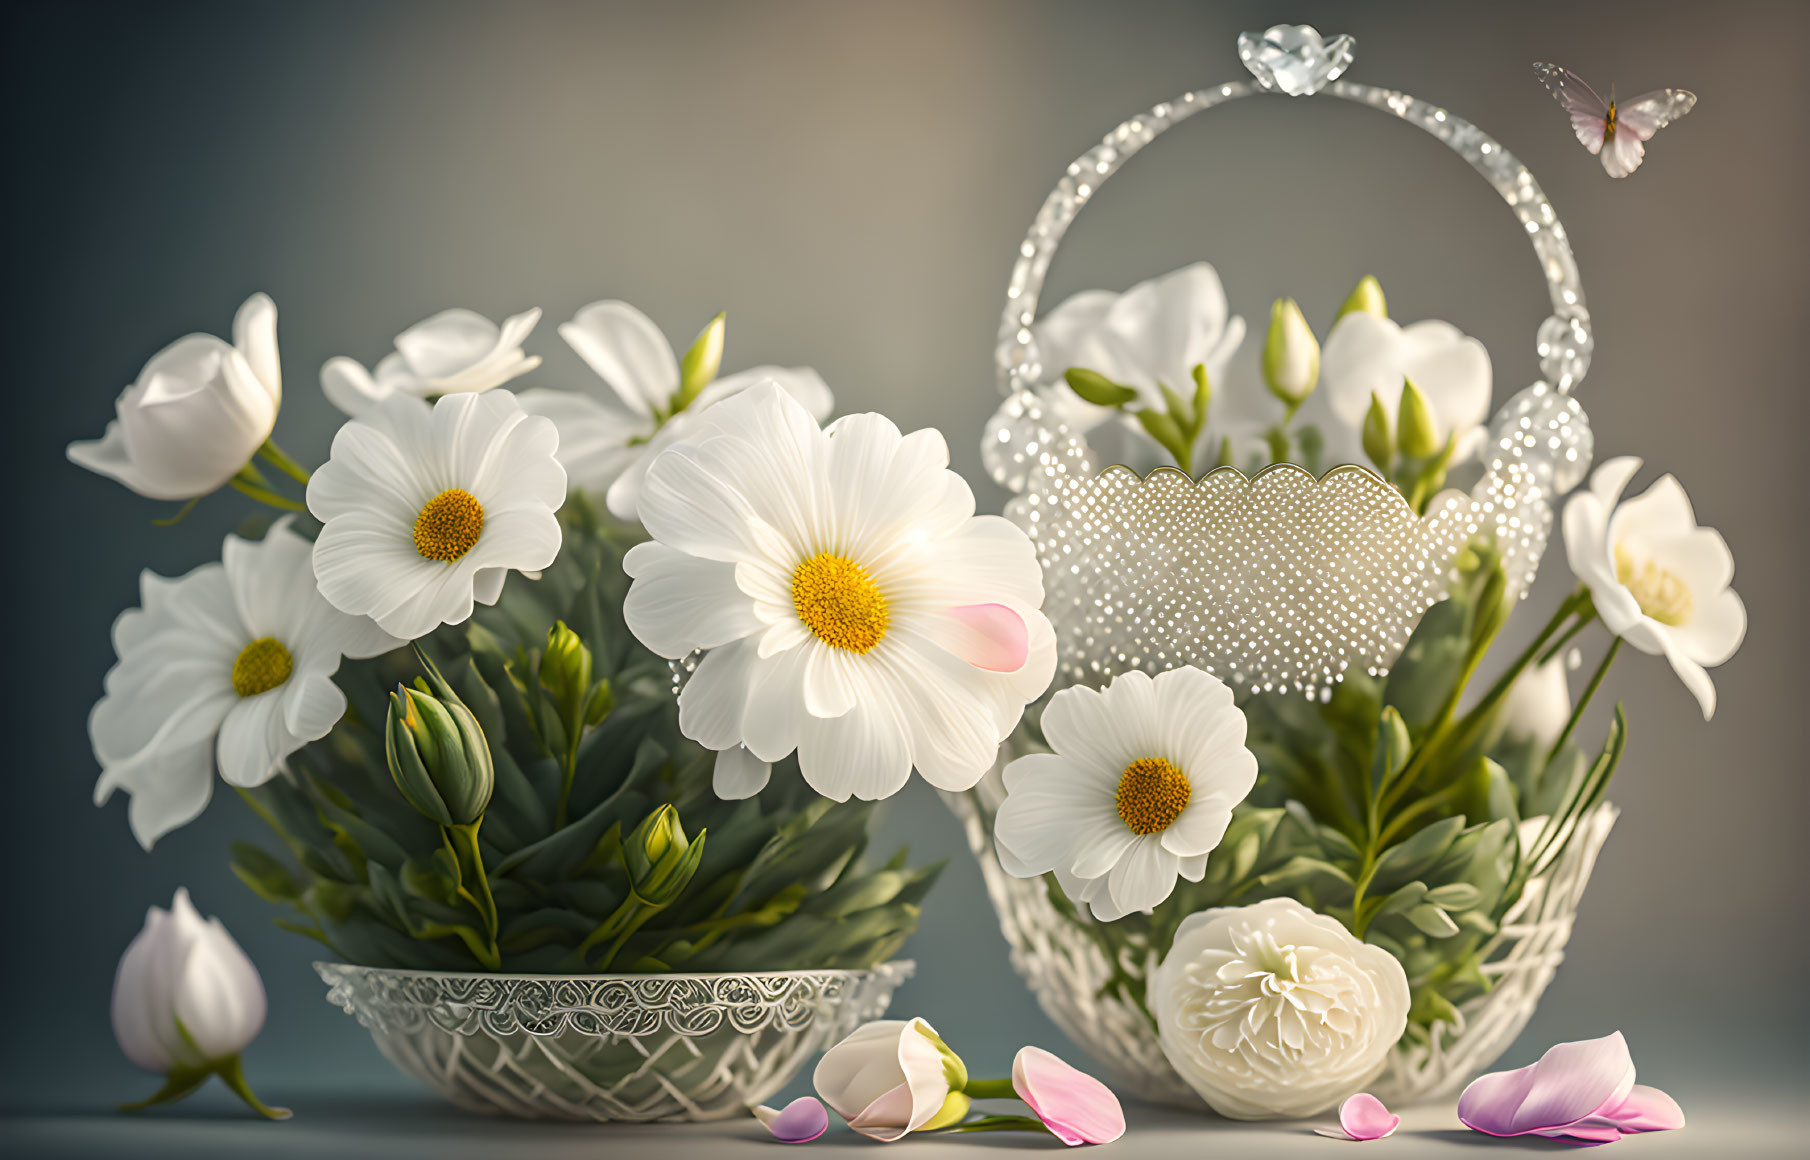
1660, 594
261, 666
840, 603
1152, 794
449, 525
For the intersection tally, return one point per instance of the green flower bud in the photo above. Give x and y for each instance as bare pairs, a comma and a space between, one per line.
1366, 297
1097, 389
437, 752
565, 671
661, 860
699, 367
1291, 354
1419, 438
1379, 441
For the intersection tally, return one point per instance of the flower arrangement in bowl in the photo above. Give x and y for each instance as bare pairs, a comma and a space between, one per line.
421, 678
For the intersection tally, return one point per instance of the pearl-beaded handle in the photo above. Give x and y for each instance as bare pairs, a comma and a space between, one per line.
1564, 340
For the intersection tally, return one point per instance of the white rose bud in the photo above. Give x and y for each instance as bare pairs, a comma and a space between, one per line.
891, 1077
186, 1002
1274, 1012
198, 412
1291, 355
1538, 704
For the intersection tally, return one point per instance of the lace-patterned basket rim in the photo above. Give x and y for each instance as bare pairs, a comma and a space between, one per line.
1564, 340
614, 1005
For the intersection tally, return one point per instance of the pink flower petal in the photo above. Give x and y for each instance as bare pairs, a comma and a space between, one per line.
799, 1122
1647, 1109
989, 636
1364, 1117
885, 1119
1571, 1082
1074, 1106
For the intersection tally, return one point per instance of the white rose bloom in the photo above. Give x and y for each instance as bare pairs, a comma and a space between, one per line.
183, 969
1156, 332
1658, 580
425, 511
1272, 1011
1366, 354
1138, 792
230, 665
198, 412
892, 1077
608, 437
1538, 704
853, 606
454, 352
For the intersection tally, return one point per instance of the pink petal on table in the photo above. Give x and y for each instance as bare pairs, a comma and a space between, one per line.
1647, 1109
799, 1122
1364, 1117
1569, 1083
989, 636
1074, 1106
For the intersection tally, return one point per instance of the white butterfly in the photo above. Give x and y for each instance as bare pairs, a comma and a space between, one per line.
1615, 132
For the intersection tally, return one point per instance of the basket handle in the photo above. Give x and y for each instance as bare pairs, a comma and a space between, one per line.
1564, 340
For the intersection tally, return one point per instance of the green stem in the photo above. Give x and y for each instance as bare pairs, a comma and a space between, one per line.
1467, 726
179, 1084
266, 496
1584, 621
277, 458
463, 842
990, 1089
1583, 702
171, 521
1001, 1124
233, 1075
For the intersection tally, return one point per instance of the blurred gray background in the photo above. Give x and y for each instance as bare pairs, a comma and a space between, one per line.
850, 182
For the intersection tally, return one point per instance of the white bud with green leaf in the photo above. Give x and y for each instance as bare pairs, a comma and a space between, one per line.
698, 369
1291, 354
1417, 429
1366, 298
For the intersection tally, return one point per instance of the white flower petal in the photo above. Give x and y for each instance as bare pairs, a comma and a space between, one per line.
711, 703
253, 740
627, 351
862, 753
683, 603
1144, 876
739, 774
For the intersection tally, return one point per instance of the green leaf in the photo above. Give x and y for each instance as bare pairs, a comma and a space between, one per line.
1432, 921
267, 877
1097, 389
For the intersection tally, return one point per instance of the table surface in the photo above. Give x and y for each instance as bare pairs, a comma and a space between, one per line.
390, 1125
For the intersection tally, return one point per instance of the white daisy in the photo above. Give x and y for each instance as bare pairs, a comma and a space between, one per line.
608, 437
853, 605
426, 510
454, 352
228, 665
1139, 789
1658, 580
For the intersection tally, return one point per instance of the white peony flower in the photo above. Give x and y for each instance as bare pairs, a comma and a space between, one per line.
1139, 790
853, 605
1658, 580
1367, 354
893, 1077
453, 353
1156, 332
230, 665
198, 412
426, 510
1538, 704
187, 1002
607, 438
1274, 1012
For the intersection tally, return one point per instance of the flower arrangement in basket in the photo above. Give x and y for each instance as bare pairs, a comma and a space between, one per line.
1274, 838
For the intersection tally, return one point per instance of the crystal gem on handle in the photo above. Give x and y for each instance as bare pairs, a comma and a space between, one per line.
1293, 59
